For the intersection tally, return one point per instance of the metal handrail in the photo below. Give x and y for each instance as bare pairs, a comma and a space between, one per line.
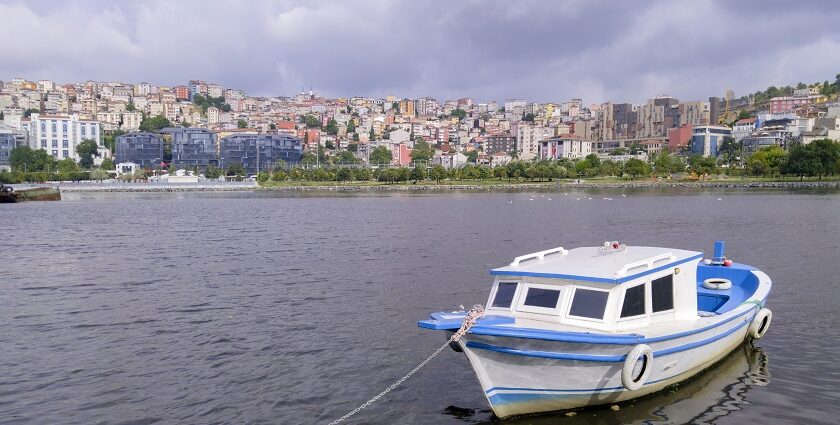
648, 263
538, 255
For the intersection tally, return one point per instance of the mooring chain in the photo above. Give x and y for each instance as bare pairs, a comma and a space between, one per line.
475, 313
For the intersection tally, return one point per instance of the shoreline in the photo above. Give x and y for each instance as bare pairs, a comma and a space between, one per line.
502, 187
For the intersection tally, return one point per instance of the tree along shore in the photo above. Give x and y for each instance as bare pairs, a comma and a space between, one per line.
462, 186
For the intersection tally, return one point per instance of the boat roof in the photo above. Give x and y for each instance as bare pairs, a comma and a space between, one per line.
593, 264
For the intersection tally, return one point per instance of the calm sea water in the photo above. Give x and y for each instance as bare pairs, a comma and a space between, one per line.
238, 308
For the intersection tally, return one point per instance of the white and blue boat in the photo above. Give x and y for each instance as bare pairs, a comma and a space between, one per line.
565, 329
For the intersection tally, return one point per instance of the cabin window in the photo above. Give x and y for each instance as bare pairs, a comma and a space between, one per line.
540, 297
504, 294
589, 303
662, 293
634, 301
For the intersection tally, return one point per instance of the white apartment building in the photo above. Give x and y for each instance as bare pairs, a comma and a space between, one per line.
131, 121
564, 147
60, 134
142, 89
212, 115
214, 90
528, 137
45, 86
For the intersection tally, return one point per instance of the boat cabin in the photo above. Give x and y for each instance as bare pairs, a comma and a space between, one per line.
612, 288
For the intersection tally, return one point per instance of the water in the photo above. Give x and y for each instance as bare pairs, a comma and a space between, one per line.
239, 308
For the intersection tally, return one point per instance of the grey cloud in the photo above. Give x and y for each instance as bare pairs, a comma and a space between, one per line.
539, 50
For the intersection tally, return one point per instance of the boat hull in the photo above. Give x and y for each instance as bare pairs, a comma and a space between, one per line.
520, 376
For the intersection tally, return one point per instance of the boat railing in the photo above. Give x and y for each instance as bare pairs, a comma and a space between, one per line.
540, 256
647, 263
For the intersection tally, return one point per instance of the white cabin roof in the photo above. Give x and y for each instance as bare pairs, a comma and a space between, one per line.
592, 265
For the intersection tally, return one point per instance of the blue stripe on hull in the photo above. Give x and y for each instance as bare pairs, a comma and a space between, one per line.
601, 358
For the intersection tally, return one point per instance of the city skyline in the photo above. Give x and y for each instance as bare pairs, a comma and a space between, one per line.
600, 52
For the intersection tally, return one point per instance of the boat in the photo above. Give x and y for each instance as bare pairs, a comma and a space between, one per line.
9, 194
565, 329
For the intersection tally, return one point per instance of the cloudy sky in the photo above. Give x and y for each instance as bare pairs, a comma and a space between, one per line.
538, 50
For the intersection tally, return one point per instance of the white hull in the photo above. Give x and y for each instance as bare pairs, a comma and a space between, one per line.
517, 384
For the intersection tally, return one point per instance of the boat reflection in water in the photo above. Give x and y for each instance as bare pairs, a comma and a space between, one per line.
713, 394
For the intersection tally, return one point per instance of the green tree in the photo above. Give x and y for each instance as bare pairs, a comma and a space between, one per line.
422, 152
280, 165
437, 173
130, 107
701, 165
263, 176
109, 139
767, 160
529, 117
828, 152
67, 165
242, 124
802, 161
107, 164
99, 175
371, 135
212, 172
517, 169
27, 113
308, 158
279, 176
381, 155
472, 156
418, 173
351, 126
344, 174
236, 169
272, 126
154, 123
403, 174
347, 157
500, 172
387, 175
362, 174
610, 168
312, 121
459, 113
332, 127
87, 149
636, 167
743, 114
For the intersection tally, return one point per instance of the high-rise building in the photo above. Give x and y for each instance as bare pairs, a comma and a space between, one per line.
193, 147
259, 152
142, 148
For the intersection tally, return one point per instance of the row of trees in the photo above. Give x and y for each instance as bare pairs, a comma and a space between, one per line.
515, 171
820, 158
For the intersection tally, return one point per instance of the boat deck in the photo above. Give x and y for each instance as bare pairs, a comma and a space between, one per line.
720, 301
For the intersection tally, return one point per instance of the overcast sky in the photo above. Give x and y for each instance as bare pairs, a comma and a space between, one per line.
541, 51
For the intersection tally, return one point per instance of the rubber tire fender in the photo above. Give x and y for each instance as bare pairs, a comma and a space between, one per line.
760, 323
639, 353
717, 283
